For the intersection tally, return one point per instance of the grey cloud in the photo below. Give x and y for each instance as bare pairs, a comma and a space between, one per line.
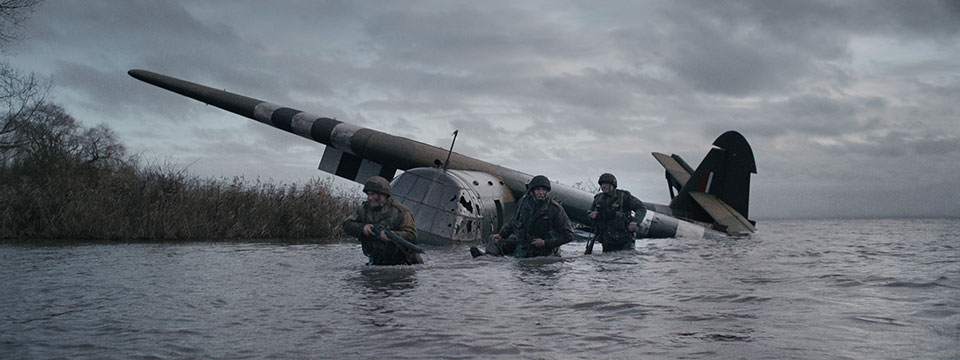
937, 146
718, 66
816, 114
949, 90
743, 48
928, 18
850, 199
474, 38
897, 144
749, 47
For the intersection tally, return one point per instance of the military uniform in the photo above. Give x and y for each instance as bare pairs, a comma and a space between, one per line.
534, 219
614, 216
393, 216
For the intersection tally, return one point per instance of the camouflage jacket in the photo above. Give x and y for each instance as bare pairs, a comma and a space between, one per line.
545, 220
394, 216
615, 211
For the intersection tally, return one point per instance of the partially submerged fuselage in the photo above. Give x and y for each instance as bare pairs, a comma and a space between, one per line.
465, 201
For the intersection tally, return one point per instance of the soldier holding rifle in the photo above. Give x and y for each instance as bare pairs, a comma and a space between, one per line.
375, 219
615, 215
539, 228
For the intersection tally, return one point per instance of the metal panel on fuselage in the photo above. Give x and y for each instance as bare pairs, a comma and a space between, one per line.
453, 205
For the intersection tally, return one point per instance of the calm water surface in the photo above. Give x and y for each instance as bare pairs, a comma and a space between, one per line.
857, 289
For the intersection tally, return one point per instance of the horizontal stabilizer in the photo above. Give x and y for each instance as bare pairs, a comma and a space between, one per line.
723, 214
673, 168
677, 174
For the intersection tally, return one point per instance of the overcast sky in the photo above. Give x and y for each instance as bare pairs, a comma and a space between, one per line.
852, 107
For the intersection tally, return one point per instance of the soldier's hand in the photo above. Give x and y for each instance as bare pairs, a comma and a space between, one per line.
384, 237
633, 226
496, 238
368, 230
538, 242
593, 214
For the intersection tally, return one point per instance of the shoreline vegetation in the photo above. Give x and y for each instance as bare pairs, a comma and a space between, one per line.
64, 192
60, 181
153, 204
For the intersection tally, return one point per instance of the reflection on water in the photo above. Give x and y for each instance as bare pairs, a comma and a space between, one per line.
388, 280
543, 271
798, 289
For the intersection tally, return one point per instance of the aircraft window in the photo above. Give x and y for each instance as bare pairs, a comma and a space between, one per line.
475, 183
490, 183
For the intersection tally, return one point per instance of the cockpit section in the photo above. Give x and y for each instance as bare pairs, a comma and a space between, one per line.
453, 205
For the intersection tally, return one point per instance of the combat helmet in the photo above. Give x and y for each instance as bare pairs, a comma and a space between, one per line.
539, 181
608, 178
377, 184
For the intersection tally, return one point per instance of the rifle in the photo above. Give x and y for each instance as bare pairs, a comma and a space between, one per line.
596, 236
397, 239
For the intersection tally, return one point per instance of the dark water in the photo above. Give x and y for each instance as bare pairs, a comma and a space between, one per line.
858, 289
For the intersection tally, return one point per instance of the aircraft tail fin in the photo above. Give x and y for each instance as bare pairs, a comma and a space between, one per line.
718, 191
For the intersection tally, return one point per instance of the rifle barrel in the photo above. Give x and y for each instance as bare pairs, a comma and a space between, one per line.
397, 239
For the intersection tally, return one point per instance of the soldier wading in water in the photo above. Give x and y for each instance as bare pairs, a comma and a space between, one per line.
539, 227
615, 215
380, 209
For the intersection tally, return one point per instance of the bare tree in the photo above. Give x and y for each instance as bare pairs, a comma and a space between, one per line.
12, 15
19, 94
100, 147
48, 134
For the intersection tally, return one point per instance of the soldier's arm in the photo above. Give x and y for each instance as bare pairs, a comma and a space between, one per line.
593, 207
407, 229
507, 229
353, 227
510, 226
563, 230
637, 206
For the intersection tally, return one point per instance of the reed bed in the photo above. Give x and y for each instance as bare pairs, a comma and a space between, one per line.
130, 202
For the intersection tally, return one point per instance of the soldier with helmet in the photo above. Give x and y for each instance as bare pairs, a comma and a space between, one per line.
380, 209
616, 215
539, 227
